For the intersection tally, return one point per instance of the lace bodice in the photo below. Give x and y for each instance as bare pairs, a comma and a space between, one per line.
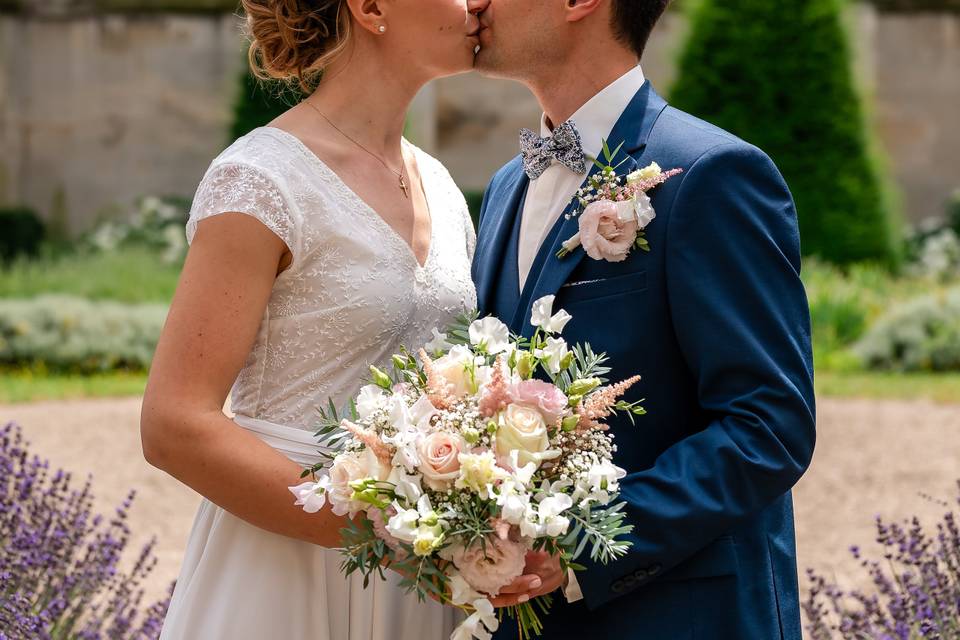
354, 291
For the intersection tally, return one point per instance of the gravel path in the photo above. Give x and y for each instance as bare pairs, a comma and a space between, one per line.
872, 458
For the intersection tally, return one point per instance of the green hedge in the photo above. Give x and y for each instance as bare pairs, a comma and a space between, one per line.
778, 74
21, 233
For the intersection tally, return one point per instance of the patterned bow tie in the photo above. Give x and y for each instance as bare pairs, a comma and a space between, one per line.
564, 146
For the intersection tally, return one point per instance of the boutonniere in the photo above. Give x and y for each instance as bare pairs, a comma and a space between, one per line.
615, 209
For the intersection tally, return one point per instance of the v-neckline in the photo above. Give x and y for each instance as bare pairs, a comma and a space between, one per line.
364, 205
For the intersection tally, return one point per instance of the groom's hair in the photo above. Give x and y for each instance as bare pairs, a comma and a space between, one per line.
633, 21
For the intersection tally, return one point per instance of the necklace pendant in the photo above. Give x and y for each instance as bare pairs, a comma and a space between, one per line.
403, 187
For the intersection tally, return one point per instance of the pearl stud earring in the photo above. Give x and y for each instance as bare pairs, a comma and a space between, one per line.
383, 28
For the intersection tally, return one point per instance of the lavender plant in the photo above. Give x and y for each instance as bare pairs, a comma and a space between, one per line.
916, 588
60, 564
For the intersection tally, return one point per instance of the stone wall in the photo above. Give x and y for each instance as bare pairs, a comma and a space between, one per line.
96, 110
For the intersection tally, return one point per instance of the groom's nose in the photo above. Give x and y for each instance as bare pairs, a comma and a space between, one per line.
477, 7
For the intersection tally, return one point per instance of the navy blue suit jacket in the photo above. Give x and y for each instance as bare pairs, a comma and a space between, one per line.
715, 320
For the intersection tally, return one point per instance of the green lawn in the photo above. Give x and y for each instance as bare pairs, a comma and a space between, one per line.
943, 388
131, 275
26, 386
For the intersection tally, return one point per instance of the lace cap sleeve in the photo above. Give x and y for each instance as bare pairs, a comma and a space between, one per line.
242, 188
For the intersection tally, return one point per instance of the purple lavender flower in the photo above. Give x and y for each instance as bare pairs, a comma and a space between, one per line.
60, 573
916, 588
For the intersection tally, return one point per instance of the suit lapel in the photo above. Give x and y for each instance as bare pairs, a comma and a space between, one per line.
494, 235
633, 128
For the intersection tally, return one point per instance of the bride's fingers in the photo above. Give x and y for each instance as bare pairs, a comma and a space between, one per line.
523, 584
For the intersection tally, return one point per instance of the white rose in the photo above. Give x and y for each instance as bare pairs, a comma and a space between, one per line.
524, 430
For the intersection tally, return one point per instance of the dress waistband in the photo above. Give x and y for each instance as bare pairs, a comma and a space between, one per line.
299, 445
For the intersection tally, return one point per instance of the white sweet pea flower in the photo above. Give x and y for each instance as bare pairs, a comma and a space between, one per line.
404, 524
514, 504
461, 592
491, 333
439, 343
368, 400
480, 624
542, 315
554, 353
604, 476
311, 495
522, 474
551, 523
407, 487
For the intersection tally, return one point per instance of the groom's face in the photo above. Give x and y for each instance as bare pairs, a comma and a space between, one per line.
519, 36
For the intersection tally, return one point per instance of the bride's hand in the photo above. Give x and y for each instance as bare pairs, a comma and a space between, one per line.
542, 575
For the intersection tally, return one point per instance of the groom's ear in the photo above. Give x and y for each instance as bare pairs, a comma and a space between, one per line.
577, 10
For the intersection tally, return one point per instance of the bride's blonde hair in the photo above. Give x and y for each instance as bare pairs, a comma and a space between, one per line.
294, 40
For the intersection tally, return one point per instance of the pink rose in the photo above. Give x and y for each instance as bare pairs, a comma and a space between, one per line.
494, 569
542, 395
604, 235
439, 461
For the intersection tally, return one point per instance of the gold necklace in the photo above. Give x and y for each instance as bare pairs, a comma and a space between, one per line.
399, 174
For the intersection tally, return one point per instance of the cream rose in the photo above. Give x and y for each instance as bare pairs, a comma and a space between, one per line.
439, 461
524, 430
455, 367
346, 468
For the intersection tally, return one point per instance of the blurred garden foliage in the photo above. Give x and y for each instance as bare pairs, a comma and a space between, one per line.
23, 233
258, 102
62, 333
779, 75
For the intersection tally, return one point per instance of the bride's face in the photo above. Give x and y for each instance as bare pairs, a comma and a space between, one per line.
438, 37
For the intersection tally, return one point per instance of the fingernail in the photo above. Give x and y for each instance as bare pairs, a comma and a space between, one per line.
535, 583
523, 599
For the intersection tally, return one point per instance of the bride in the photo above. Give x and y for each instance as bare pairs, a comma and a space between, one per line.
319, 245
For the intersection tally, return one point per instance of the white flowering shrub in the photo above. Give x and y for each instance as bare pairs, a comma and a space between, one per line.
920, 335
66, 333
154, 222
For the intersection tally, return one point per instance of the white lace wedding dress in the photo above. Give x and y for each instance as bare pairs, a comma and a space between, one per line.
352, 295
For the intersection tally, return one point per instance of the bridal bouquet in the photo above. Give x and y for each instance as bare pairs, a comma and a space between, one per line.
461, 461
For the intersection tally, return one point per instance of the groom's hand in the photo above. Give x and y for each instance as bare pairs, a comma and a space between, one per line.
541, 575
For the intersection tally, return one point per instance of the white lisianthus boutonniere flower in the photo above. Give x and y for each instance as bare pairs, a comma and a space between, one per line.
614, 209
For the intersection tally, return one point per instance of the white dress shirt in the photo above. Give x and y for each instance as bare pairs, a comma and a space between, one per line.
549, 195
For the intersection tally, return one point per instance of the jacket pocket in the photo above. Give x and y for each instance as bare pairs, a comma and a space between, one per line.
593, 289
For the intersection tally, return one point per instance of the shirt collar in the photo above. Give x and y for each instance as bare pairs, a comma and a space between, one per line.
597, 117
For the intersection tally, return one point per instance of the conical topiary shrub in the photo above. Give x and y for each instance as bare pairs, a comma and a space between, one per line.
778, 74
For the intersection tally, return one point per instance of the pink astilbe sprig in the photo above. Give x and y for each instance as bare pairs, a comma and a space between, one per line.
372, 441
437, 388
642, 186
496, 395
600, 404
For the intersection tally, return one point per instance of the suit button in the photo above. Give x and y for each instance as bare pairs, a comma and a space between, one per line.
616, 587
640, 574
654, 570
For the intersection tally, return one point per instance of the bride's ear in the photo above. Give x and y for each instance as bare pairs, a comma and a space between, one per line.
577, 10
369, 15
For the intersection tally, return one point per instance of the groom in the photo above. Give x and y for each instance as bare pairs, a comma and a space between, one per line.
713, 316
